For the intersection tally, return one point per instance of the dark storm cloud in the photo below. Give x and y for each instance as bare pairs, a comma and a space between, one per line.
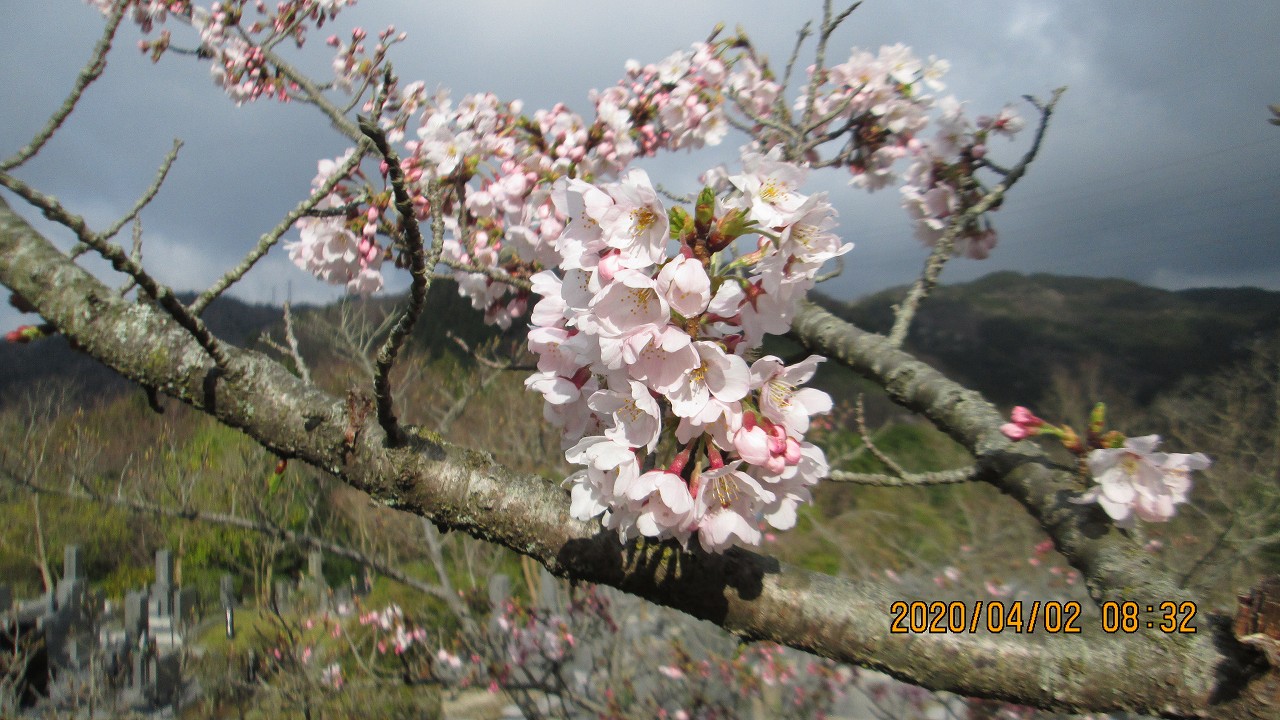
1159, 167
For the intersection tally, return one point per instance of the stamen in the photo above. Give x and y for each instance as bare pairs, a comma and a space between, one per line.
773, 191
781, 391
699, 375
725, 489
642, 218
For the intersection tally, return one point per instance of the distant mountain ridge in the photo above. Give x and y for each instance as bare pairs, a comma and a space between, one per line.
1003, 334
241, 324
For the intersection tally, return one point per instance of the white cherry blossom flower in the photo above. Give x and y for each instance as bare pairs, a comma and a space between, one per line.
629, 302
637, 420
1136, 481
718, 374
636, 223
780, 400
726, 507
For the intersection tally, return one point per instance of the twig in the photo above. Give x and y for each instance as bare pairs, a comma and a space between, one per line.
762, 120
135, 254
674, 197
269, 529
829, 25
163, 294
314, 96
493, 273
420, 264
942, 250
860, 417
801, 36
898, 476
294, 353
434, 553
485, 379
833, 274
942, 477
1218, 543
91, 72
267, 241
147, 195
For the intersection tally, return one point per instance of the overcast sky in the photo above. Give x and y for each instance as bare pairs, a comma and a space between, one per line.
1160, 165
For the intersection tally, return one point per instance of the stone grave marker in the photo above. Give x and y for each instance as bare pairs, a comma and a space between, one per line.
315, 565
162, 590
499, 591
314, 584
135, 616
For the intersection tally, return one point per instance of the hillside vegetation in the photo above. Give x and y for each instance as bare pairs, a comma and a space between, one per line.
1168, 362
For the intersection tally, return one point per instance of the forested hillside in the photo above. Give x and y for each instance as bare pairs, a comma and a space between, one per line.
1007, 334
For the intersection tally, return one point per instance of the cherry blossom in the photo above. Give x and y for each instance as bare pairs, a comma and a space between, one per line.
1136, 481
642, 318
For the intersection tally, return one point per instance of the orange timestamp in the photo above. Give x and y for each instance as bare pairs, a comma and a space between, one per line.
1049, 616
1169, 617
993, 616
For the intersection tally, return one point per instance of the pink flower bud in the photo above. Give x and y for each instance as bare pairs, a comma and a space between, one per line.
792, 451
1023, 416
1014, 431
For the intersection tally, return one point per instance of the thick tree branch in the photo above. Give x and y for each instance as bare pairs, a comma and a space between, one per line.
753, 596
1114, 566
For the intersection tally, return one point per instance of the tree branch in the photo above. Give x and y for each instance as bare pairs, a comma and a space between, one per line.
753, 596
268, 241
942, 249
91, 72
1115, 568
421, 262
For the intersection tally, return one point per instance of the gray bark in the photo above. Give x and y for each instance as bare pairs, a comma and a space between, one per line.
754, 596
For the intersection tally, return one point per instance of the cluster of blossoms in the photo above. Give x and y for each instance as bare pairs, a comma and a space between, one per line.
1133, 480
534, 637
567, 645
636, 347
807, 687
881, 100
392, 632
328, 246
500, 164
940, 184
507, 162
